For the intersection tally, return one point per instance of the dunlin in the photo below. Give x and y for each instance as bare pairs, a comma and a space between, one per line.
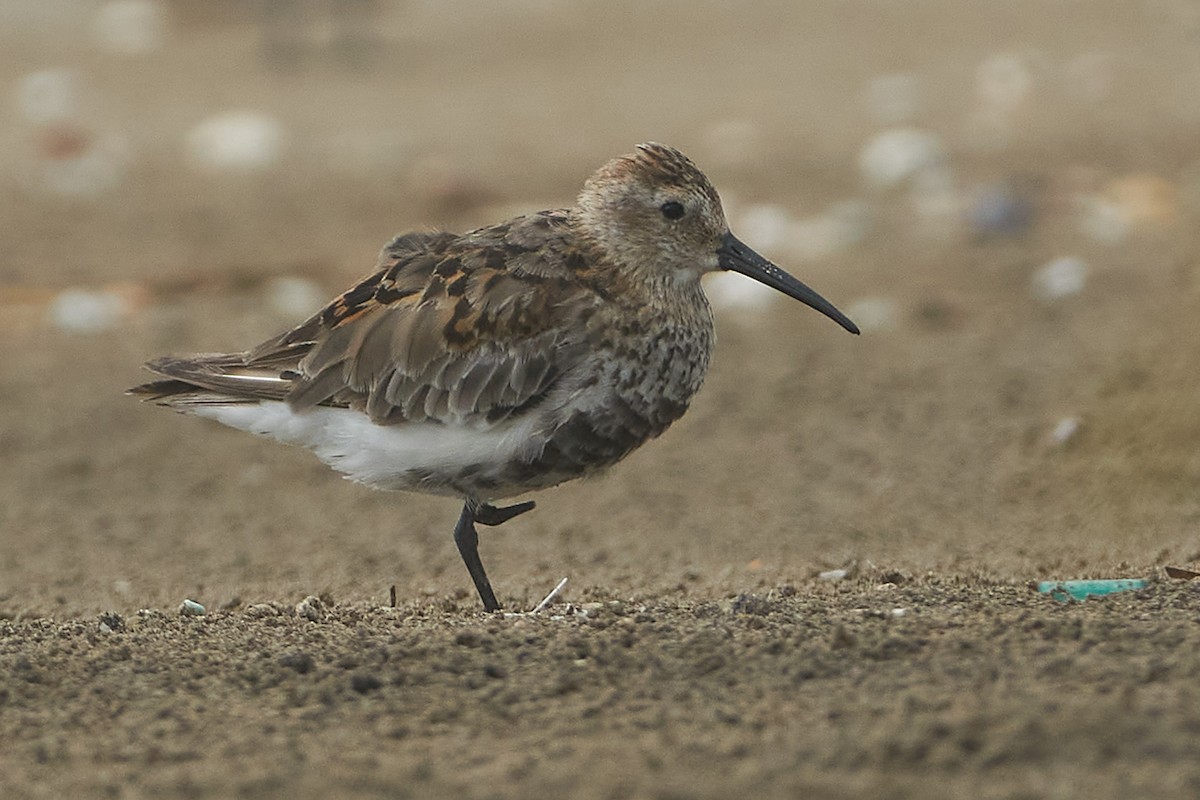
507, 359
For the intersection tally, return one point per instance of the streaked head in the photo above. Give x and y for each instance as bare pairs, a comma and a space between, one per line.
658, 216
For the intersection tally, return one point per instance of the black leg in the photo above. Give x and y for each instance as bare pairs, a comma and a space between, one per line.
467, 539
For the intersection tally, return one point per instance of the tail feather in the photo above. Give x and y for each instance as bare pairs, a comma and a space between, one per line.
212, 379
181, 395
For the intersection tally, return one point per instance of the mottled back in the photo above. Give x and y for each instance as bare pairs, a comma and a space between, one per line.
465, 328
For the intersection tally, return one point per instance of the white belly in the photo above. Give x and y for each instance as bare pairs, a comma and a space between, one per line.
408, 456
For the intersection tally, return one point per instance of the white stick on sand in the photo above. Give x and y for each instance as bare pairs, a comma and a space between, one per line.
553, 593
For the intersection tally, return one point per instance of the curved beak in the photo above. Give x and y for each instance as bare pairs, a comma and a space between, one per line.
734, 255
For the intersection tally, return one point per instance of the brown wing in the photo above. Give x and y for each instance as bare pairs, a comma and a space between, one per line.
449, 328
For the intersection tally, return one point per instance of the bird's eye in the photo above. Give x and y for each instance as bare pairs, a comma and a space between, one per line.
672, 209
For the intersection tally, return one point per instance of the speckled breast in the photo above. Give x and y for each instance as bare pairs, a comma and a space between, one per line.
640, 383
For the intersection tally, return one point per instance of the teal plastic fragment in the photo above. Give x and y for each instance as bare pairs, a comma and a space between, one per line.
1065, 591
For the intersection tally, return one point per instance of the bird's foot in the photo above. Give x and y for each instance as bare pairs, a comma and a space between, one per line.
491, 516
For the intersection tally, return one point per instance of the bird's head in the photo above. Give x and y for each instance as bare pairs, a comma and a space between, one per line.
658, 217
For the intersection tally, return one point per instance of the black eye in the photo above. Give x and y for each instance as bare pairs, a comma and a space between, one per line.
672, 210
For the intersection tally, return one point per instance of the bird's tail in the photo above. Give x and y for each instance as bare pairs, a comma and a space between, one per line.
212, 379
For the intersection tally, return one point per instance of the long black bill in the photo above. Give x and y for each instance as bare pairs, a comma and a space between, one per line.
735, 255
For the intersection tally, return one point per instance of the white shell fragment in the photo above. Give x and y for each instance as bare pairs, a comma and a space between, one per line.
1103, 220
294, 297
873, 314
898, 154
550, 597
48, 96
1062, 277
237, 141
86, 311
1065, 430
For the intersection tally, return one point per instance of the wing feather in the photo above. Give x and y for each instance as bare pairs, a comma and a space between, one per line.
462, 329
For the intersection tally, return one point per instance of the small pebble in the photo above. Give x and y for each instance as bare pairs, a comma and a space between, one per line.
311, 608
190, 608
111, 622
899, 612
1146, 201
260, 610
833, 574
1065, 430
750, 604
999, 209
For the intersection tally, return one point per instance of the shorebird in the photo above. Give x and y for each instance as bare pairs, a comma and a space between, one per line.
507, 359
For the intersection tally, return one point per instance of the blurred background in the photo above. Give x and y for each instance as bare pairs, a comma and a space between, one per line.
1004, 195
